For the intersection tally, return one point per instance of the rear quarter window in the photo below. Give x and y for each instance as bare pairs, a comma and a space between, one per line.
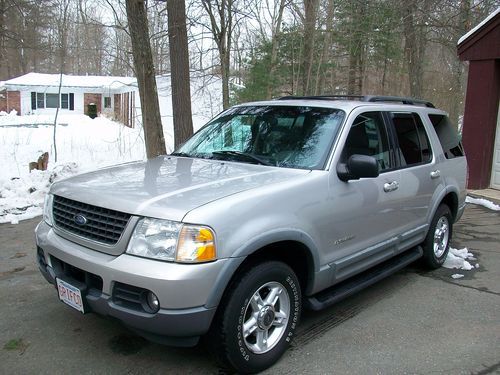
447, 135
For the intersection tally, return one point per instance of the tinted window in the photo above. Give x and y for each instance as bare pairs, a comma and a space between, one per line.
285, 136
368, 136
414, 145
447, 135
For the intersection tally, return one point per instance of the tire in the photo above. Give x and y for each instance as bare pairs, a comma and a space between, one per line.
242, 347
437, 242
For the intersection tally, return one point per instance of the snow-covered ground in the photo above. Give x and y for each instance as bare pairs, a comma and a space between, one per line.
483, 202
83, 144
460, 259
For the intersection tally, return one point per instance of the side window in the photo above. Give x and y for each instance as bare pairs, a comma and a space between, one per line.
447, 135
368, 136
414, 145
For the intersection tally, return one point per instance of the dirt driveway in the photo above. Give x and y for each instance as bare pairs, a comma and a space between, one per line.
413, 322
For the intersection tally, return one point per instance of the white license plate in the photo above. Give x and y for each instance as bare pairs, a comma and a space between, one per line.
70, 295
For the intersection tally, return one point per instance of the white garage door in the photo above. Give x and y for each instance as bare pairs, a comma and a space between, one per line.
495, 172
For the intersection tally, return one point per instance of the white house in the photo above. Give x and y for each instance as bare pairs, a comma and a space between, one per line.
37, 93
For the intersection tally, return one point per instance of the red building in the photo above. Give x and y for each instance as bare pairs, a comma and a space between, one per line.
481, 129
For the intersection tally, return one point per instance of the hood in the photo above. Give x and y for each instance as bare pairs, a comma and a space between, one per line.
168, 187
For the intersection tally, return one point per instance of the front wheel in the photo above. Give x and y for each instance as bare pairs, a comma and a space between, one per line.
257, 318
437, 242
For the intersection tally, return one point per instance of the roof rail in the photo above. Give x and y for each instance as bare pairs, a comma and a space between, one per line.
363, 98
397, 99
322, 97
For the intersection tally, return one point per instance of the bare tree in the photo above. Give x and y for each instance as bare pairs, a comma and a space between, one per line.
3, 28
310, 15
277, 20
357, 48
63, 40
327, 41
415, 42
221, 21
145, 73
179, 68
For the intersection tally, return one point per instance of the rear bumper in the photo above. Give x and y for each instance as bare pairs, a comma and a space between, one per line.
170, 325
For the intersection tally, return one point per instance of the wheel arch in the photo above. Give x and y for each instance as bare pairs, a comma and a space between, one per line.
451, 200
297, 254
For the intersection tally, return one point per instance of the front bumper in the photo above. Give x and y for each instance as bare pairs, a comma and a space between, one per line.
183, 290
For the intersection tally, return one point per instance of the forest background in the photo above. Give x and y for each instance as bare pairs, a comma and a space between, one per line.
260, 49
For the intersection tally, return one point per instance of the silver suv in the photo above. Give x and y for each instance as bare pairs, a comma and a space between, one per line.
271, 207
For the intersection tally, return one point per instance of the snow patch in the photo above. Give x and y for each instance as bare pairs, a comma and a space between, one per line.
83, 144
458, 259
22, 198
457, 276
483, 202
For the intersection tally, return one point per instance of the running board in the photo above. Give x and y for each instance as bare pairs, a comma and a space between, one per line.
354, 284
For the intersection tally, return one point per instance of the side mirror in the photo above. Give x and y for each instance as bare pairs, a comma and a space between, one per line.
358, 166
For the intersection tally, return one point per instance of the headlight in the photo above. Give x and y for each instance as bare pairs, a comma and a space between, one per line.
172, 241
47, 209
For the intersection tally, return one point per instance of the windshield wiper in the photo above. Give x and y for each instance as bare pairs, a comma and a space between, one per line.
245, 155
184, 154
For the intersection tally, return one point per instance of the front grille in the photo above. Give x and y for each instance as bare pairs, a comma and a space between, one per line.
102, 225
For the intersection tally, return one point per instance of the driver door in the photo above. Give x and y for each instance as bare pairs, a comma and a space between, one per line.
366, 216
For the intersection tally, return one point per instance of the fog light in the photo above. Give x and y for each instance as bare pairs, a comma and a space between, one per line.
153, 302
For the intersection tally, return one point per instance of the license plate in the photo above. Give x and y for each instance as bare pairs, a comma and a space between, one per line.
70, 295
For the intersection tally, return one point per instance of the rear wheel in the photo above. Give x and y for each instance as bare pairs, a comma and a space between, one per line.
437, 242
257, 318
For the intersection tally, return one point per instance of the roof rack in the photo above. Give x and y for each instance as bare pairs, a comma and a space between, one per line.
363, 98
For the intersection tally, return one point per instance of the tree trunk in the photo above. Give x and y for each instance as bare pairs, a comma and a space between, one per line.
357, 50
456, 106
274, 49
3, 57
145, 72
224, 66
179, 68
320, 82
222, 34
415, 43
310, 12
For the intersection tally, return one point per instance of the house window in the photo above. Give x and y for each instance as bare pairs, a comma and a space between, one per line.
107, 102
43, 100
64, 101
52, 100
40, 100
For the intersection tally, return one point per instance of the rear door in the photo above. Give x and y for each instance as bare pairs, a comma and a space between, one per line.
420, 175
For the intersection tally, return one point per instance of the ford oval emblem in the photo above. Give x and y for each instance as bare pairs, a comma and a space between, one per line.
79, 219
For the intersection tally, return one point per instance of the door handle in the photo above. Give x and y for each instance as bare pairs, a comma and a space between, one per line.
391, 186
435, 174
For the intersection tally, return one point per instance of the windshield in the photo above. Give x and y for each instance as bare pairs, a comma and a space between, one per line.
283, 136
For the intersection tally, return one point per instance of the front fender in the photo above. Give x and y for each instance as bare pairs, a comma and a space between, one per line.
250, 247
